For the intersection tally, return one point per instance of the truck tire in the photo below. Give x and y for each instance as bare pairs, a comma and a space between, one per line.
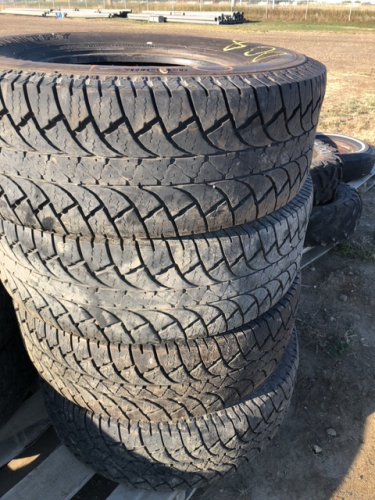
325, 171
16, 371
163, 264
177, 455
164, 382
130, 323
336, 221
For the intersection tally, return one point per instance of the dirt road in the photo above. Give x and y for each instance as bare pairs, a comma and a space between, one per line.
334, 401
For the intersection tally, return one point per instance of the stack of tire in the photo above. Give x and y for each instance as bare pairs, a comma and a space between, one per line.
337, 160
153, 221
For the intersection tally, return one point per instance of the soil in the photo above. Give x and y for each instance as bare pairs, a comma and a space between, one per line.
335, 391
333, 405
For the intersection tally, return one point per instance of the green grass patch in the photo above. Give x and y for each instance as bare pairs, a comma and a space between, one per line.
363, 250
338, 345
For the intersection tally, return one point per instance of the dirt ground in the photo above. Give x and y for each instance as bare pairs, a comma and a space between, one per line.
333, 405
334, 402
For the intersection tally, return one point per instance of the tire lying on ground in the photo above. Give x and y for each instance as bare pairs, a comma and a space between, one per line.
182, 454
335, 221
167, 381
16, 371
357, 156
325, 171
227, 104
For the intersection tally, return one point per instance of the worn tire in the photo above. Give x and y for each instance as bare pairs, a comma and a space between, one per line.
325, 171
164, 264
335, 221
148, 212
165, 382
357, 156
178, 127
114, 323
246, 96
177, 455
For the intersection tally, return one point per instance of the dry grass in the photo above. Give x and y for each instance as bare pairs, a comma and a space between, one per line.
349, 114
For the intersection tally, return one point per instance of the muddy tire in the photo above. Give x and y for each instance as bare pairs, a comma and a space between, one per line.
325, 171
182, 454
357, 156
202, 146
335, 221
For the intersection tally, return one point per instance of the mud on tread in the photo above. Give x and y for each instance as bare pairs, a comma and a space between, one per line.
185, 454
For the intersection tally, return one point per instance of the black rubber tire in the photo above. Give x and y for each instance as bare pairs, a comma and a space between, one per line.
223, 117
8, 320
88, 171
171, 381
335, 221
127, 322
164, 264
357, 156
325, 171
141, 212
16, 371
181, 455
230, 98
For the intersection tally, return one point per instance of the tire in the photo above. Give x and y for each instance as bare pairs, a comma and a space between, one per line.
336, 221
243, 96
179, 455
358, 157
158, 265
165, 382
114, 323
117, 172
191, 118
8, 321
148, 212
16, 376
325, 171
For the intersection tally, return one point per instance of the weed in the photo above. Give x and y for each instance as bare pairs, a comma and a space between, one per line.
338, 344
362, 250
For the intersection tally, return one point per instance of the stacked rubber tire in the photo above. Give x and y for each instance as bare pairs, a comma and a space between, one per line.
337, 206
153, 221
